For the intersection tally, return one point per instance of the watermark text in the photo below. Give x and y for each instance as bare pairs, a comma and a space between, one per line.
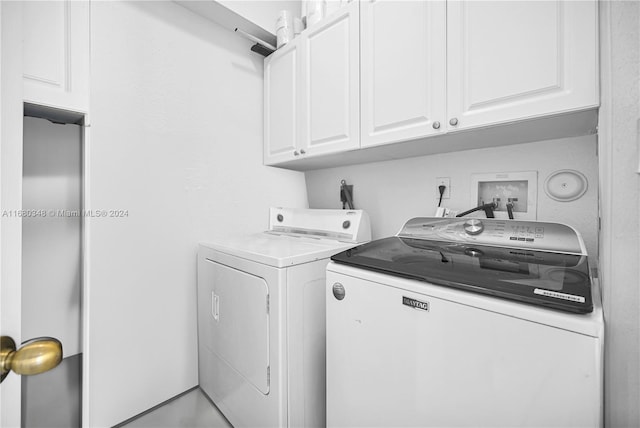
62, 213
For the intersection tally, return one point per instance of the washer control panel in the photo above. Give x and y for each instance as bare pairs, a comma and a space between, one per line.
532, 235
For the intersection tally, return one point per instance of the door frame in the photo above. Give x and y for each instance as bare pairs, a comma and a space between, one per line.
85, 228
11, 169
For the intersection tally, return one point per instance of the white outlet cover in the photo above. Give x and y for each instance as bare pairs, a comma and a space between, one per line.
504, 185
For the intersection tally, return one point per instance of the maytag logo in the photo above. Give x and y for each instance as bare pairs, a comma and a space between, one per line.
416, 304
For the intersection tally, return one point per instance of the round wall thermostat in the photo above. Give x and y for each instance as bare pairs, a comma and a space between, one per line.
566, 185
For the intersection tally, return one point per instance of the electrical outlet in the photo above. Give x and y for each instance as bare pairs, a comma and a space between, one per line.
443, 181
343, 197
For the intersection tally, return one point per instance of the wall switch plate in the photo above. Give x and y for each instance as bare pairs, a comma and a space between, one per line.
446, 181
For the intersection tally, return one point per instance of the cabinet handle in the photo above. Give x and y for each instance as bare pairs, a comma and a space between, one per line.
295, 153
436, 125
453, 122
302, 151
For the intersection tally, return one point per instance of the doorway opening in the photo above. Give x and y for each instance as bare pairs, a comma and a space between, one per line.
52, 260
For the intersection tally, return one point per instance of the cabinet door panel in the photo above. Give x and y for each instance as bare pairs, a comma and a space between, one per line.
56, 54
403, 70
49, 65
517, 60
330, 73
281, 106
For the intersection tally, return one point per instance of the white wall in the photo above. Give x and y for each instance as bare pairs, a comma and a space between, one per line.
176, 140
394, 191
620, 194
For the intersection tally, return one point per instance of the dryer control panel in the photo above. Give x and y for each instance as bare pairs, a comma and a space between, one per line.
351, 226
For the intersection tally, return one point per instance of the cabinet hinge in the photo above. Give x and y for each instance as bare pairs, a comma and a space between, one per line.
268, 375
267, 304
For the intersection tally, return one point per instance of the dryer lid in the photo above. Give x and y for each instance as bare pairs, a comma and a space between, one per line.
297, 236
278, 250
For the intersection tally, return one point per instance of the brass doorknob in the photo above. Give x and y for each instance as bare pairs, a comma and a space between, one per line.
34, 357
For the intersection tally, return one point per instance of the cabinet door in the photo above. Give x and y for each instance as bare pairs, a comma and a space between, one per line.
518, 60
403, 70
330, 82
56, 53
281, 71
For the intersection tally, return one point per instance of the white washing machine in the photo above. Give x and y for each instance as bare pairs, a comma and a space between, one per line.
261, 316
465, 323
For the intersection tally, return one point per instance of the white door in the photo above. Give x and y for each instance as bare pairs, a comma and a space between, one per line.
403, 70
281, 117
10, 197
26, 226
330, 82
516, 60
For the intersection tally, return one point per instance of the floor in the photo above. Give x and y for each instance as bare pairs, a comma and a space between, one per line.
191, 410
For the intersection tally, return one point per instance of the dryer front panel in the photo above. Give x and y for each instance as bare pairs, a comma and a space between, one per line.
238, 322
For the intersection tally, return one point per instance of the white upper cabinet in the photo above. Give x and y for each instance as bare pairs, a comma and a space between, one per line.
403, 70
281, 96
512, 60
330, 81
56, 54
399, 78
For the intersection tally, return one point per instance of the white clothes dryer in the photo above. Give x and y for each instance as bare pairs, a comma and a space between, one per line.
261, 316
